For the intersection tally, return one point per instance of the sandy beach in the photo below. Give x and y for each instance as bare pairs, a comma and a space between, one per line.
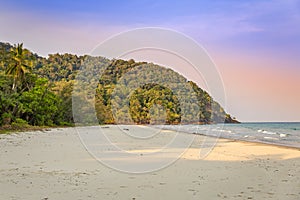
56, 165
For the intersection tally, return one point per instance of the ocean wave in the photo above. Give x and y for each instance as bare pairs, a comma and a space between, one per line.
283, 135
270, 138
277, 133
222, 130
267, 132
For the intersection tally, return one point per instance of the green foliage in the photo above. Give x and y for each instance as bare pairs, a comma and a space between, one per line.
40, 105
19, 124
144, 98
204, 110
19, 63
63, 90
38, 91
6, 118
58, 67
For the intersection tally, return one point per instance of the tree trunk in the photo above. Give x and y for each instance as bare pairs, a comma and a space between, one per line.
14, 85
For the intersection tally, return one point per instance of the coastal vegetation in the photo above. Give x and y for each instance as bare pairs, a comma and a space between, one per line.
37, 91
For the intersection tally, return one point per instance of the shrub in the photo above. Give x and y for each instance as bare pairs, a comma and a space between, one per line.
6, 118
19, 124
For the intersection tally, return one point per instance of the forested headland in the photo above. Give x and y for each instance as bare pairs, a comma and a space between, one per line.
37, 91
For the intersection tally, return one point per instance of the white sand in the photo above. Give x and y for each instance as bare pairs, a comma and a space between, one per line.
55, 165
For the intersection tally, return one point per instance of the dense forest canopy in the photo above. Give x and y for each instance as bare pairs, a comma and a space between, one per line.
38, 91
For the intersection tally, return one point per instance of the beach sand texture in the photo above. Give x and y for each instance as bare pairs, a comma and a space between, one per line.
55, 165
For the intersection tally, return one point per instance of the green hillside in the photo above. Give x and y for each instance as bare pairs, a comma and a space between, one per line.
37, 91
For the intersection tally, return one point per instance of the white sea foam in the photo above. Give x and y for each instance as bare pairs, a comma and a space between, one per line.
266, 132
270, 138
276, 133
282, 135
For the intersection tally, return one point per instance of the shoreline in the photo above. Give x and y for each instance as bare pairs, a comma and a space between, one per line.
48, 128
55, 165
240, 140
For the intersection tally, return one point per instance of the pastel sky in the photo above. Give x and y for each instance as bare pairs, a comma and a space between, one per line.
255, 44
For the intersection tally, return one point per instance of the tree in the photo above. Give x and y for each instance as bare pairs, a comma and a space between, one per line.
40, 106
19, 64
39, 91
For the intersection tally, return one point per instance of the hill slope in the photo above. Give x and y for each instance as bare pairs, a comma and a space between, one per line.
44, 94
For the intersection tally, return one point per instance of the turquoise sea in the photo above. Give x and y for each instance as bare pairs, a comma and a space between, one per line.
279, 133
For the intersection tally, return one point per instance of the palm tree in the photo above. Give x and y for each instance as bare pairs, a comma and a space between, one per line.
19, 64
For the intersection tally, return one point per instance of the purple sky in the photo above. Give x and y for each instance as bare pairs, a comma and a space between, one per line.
255, 44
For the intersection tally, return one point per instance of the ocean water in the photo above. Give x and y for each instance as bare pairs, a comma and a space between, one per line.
279, 133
